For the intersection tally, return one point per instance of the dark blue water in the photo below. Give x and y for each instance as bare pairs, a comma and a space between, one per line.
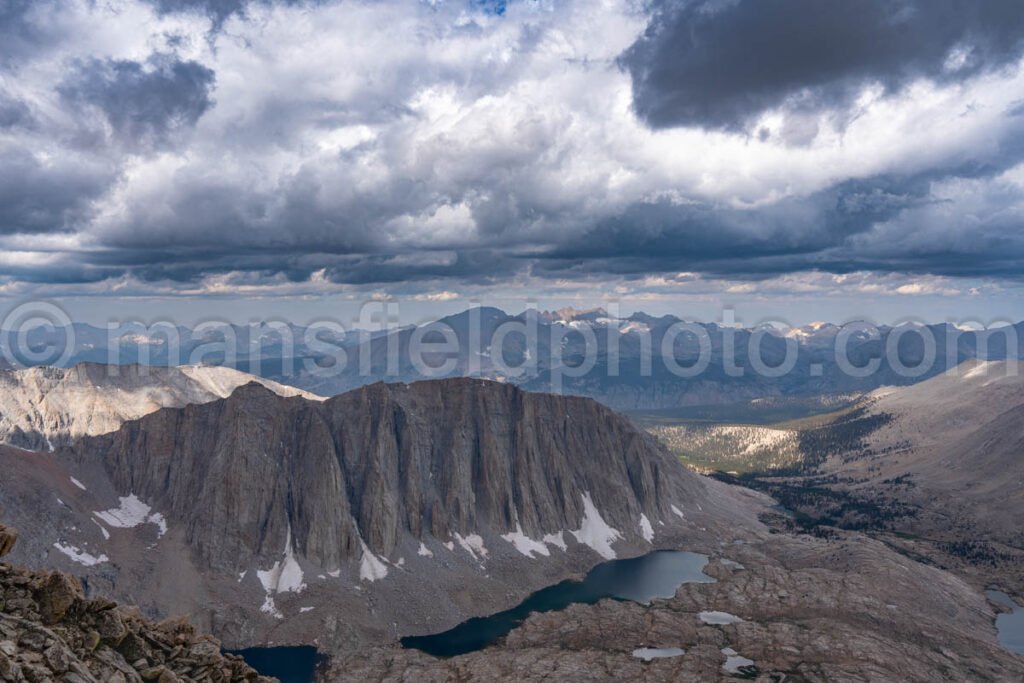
1010, 627
288, 664
640, 579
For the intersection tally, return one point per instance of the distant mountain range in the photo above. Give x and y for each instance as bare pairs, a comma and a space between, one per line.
639, 362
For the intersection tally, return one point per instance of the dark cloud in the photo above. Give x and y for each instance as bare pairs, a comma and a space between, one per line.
24, 29
718, 63
13, 112
478, 266
218, 11
883, 224
146, 105
38, 196
693, 234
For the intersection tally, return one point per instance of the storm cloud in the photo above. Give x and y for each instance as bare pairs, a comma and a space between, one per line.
145, 105
719, 64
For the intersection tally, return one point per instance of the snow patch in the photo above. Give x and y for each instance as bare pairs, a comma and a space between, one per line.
595, 532
303, 610
283, 577
103, 530
646, 530
557, 540
370, 566
78, 483
678, 512
524, 544
474, 545
718, 618
268, 607
424, 551
161, 523
734, 662
80, 556
131, 513
649, 653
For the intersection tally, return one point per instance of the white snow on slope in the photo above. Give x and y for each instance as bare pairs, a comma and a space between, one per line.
645, 528
78, 483
103, 529
132, 513
595, 532
370, 566
80, 556
424, 551
474, 545
678, 512
557, 540
649, 653
734, 661
524, 544
718, 618
285, 576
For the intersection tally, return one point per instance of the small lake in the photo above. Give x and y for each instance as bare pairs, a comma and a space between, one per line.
640, 579
1010, 626
287, 664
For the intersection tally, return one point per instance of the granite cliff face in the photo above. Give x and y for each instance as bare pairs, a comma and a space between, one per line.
454, 460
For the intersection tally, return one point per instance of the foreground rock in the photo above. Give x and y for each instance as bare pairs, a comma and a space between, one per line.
8, 537
49, 632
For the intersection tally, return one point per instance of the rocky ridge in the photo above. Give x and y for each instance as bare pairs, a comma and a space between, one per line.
407, 508
452, 460
49, 631
43, 408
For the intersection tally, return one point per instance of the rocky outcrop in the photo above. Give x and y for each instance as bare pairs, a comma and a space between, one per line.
42, 408
8, 537
49, 631
445, 459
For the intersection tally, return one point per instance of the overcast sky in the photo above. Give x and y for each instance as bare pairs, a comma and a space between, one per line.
797, 159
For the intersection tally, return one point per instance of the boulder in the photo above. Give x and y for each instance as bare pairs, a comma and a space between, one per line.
8, 537
56, 596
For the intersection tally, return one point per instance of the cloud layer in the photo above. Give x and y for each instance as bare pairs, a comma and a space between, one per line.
224, 145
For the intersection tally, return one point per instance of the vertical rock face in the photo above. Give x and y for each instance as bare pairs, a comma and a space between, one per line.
386, 462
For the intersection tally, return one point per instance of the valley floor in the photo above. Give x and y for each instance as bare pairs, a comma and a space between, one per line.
831, 607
